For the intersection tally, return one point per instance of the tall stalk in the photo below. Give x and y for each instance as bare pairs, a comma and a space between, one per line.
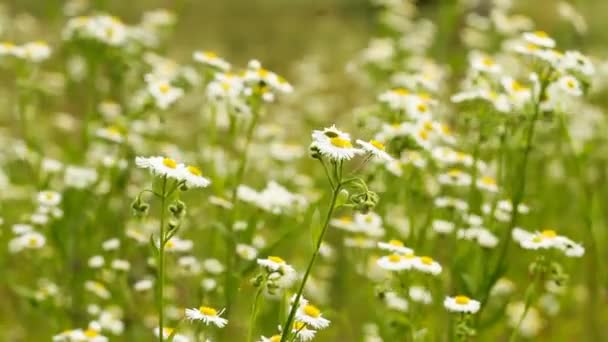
294, 305
161, 261
518, 193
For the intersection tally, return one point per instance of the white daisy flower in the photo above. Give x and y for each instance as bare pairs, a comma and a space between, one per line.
420, 294
427, 265
246, 252
36, 51
194, 177
375, 148
455, 177
208, 315
28, 240
311, 315
111, 133
396, 262
334, 144
450, 202
461, 304
301, 331
539, 38
168, 332
163, 93
272, 263
576, 61
396, 302
547, 239
487, 183
161, 166
344, 222
570, 85
396, 99
212, 59
442, 226
482, 236
175, 244
484, 63
48, 198
395, 246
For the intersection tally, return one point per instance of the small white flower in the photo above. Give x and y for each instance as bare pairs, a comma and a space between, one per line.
334, 144
395, 246
420, 294
427, 265
212, 59
312, 316
570, 85
442, 226
396, 302
302, 332
161, 166
375, 148
96, 261
163, 93
396, 262
539, 38
272, 263
208, 315
194, 177
461, 304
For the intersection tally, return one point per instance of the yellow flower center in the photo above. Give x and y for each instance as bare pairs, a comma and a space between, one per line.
33, 242
488, 61
275, 338
312, 311
516, 86
462, 300
377, 144
170, 163
207, 311
340, 142
422, 108
91, 333
167, 331
276, 259
541, 34
423, 134
532, 47
396, 243
346, 219
570, 84
401, 91
488, 180
394, 258
299, 325
194, 170
426, 260
210, 54
424, 96
409, 256
263, 72
548, 233
454, 173
164, 88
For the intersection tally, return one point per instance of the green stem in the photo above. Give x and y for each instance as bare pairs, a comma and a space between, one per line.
517, 196
294, 307
254, 311
161, 262
231, 242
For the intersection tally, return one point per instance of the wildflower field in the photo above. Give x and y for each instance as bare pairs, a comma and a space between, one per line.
281, 171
